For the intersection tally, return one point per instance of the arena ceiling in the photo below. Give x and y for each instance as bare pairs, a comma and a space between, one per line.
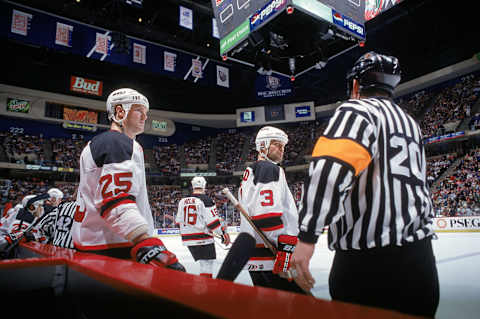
425, 35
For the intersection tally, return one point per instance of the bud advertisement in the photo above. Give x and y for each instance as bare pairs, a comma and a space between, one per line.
16, 105
86, 86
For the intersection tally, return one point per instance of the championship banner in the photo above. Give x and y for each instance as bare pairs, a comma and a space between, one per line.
20, 22
169, 61
273, 86
197, 68
139, 53
64, 34
38, 28
186, 18
102, 44
223, 76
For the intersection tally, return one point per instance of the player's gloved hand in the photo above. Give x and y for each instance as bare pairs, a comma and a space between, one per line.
286, 246
152, 251
225, 237
29, 236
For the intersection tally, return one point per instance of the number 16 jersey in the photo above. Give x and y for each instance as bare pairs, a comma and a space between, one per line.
198, 218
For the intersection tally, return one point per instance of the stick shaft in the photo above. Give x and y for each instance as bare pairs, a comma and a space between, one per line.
242, 211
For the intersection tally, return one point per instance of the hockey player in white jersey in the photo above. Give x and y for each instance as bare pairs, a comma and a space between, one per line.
199, 221
19, 224
265, 195
113, 215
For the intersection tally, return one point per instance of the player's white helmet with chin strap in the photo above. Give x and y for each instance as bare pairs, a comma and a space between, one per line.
126, 98
265, 137
199, 182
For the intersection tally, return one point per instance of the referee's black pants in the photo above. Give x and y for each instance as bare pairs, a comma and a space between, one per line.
404, 278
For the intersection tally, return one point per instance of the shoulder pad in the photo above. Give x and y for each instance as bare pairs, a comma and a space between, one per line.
265, 172
25, 215
207, 201
111, 147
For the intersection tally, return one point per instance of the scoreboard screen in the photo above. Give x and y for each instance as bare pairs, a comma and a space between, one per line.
232, 13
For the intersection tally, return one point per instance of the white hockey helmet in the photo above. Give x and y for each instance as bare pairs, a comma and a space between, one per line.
126, 98
55, 193
199, 182
35, 205
265, 137
26, 199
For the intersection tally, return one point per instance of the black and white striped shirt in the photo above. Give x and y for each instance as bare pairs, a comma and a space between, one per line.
62, 236
367, 179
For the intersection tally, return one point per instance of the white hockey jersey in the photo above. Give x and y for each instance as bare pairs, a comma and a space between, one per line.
198, 218
112, 182
265, 195
7, 220
20, 221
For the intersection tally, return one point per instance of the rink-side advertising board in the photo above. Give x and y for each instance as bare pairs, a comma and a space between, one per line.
457, 224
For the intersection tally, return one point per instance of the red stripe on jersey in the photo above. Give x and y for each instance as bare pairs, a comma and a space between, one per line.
111, 203
262, 258
104, 246
215, 224
267, 215
272, 228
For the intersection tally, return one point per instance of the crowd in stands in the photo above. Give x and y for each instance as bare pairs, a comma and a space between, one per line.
474, 123
437, 165
166, 159
416, 103
197, 151
66, 151
452, 105
23, 149
458, 194
228, 151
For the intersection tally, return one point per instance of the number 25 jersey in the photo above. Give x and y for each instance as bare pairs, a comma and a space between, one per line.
112, 183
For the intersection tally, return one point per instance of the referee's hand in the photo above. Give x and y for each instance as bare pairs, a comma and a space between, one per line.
300, 262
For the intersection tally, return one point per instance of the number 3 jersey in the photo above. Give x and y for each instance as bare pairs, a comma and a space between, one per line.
198, 218
265, 195
112, 199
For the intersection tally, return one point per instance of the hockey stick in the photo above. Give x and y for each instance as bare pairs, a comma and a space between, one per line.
267, 242
242, 211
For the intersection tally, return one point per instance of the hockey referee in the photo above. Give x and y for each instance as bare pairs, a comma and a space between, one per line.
367, 183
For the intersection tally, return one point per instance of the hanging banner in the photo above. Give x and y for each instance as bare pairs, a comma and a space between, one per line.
139, 53
223, 76
273, 86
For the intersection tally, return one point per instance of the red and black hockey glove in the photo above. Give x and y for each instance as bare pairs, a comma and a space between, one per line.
286, 246
225, 237
152, 251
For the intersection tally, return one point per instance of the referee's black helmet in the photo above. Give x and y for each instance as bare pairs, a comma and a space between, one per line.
373, 70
